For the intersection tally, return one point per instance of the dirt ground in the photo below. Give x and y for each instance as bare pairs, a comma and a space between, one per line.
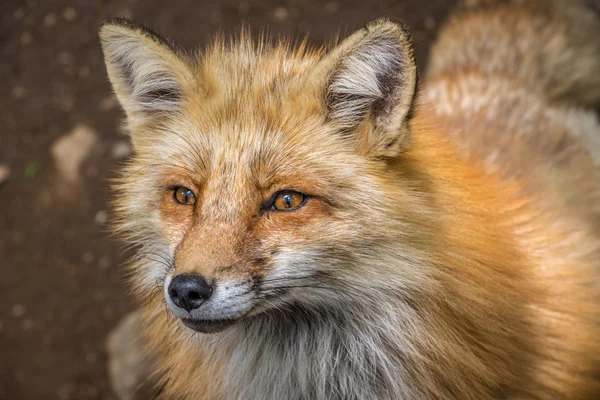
61, 281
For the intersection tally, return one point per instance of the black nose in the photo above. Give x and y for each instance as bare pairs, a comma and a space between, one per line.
189, 291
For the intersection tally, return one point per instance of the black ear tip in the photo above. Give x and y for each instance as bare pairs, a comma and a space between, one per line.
130, 25
120, 21
387, 22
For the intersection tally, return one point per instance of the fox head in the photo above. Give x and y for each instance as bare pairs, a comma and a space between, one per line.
261, 175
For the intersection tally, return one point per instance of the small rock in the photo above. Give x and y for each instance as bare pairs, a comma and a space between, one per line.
71, 149
121, 150
70, 14
18, 310
280, 14
101, 217
4, 173
26, 38
50, 20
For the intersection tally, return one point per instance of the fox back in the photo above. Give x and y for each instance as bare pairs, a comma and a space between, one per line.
310, 225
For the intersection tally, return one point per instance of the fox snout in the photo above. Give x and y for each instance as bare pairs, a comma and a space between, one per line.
208, 305
189, 291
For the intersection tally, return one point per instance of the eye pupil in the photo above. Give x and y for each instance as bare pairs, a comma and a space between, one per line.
287, 201
184, 195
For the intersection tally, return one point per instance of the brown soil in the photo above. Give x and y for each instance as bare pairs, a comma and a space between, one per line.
61, 285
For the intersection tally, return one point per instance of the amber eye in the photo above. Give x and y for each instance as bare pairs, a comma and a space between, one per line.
287, 201
183, 195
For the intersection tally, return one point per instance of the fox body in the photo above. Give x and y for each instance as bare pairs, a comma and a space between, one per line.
320, 229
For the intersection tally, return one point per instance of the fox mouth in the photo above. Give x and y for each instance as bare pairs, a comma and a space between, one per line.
208, 325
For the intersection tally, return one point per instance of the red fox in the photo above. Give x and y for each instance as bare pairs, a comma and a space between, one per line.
319, 226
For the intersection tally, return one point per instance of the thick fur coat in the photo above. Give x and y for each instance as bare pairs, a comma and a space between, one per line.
449, 243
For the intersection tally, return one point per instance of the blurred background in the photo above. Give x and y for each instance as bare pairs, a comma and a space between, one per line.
62, 288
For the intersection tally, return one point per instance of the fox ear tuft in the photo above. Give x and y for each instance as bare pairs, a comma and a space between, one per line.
146, 72
371, 78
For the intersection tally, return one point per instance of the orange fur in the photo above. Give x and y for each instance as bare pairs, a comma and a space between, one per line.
464, 260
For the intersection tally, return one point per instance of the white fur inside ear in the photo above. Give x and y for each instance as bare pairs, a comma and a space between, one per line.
366, 76
145, 73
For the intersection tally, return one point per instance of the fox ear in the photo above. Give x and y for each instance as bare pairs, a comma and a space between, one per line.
370, 85
147, 74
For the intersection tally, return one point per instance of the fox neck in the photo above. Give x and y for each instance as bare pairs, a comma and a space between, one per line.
301, 353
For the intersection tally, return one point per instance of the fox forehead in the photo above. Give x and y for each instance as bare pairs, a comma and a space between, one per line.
252, 121
247, 65
250, 102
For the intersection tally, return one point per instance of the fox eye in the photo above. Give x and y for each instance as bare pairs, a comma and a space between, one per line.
183, 195
287, 201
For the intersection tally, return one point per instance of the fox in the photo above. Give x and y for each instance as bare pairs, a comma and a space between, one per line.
329, 223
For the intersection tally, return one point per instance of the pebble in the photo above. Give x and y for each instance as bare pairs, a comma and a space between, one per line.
121, 150
71, 149
70, 14
4, 173
101, 217
50, 20
280, 13
26, 37
18, 310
